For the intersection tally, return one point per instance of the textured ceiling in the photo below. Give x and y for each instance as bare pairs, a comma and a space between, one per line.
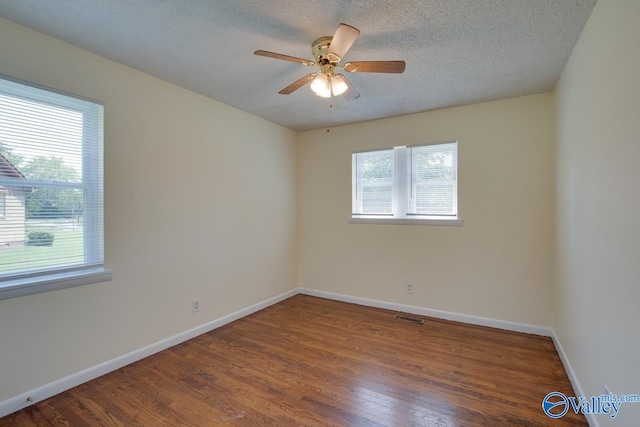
457, 51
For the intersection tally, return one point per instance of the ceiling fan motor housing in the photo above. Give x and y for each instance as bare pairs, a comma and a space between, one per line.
320, 51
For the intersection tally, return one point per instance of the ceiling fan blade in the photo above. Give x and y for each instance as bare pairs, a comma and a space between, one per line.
341, 42
297, 84
350, 93
375, 66
284, 57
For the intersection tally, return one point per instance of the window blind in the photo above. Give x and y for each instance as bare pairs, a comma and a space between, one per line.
373, 183
51, 177
433, 179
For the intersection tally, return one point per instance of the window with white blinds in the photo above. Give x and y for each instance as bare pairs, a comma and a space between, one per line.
373, 183
433, 182
418, 182
51, 183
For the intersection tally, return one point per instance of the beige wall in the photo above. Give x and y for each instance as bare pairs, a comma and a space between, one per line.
598, 295
499, 264
200, 202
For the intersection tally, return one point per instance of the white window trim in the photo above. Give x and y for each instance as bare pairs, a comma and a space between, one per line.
407, 221
399, 216
55, 279
30, 285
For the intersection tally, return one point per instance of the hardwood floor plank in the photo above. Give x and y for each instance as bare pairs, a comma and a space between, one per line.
316, 362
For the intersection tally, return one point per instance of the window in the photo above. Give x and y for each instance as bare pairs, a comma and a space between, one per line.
51, 178
406, 183
373, 183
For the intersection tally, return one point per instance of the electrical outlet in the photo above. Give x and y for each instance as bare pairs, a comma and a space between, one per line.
195, 305
410, 288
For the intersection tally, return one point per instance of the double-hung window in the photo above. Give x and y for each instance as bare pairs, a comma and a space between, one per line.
51, 179
406, 183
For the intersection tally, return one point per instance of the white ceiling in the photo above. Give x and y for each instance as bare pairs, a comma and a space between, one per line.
457, 51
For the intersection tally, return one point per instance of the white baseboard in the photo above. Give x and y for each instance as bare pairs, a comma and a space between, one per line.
464, 318
23, 400
577, 389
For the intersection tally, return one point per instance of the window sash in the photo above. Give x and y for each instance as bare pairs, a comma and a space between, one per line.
441, 189
373, 171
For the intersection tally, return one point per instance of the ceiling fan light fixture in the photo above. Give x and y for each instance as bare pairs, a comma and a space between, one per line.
321, 85
338, 85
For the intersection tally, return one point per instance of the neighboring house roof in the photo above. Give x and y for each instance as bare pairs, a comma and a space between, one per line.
8, 170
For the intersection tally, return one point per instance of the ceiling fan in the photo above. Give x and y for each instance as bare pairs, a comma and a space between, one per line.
328, 52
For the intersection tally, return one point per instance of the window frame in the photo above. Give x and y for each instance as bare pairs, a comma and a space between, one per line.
21, 283
400, 193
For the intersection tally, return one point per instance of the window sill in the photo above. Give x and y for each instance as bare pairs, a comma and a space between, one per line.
407, 221
13, 288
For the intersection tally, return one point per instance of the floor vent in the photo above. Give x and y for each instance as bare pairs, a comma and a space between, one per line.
409, 319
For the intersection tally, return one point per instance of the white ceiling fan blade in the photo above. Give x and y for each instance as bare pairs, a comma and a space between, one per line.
341, 42
351, 92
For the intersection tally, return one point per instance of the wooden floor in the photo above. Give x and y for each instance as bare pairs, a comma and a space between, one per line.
315, 362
